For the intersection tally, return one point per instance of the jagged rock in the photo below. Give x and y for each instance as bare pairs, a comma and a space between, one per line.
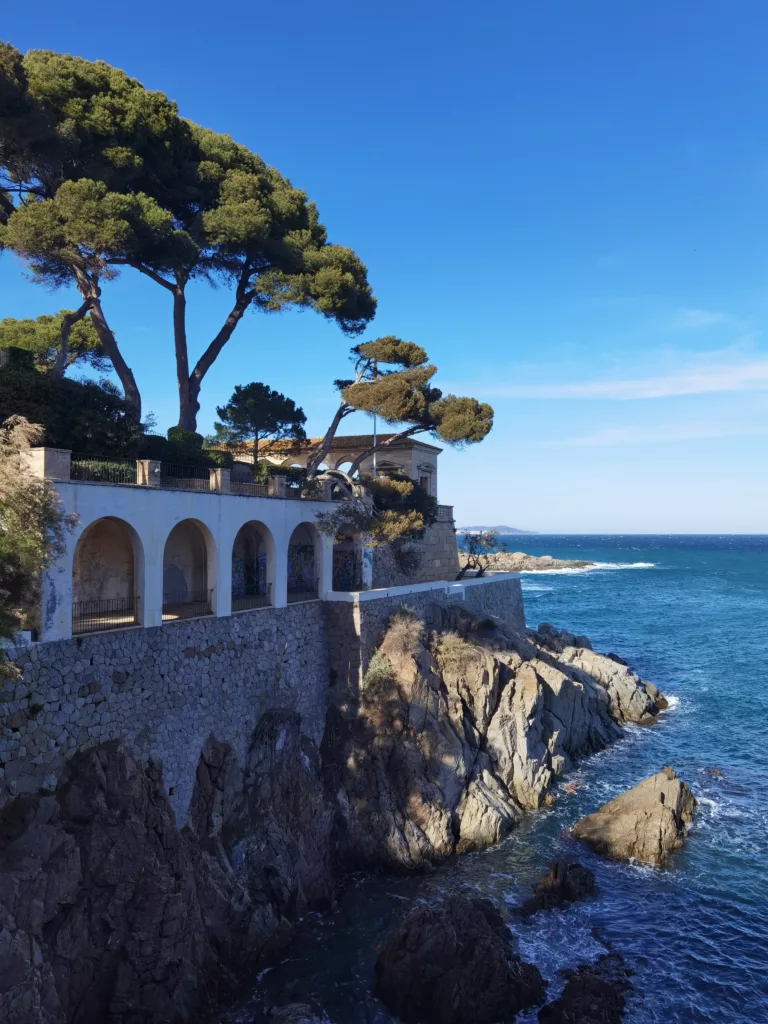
645, 824
460, 728
108, 912
453, 963
593, 994
564, 883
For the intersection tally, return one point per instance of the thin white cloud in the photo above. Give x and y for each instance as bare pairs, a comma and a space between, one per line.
698, 319
663, 434
751, 375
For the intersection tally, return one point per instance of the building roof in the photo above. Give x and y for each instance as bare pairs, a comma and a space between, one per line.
340, 443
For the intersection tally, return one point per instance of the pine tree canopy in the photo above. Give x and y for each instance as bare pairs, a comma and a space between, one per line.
99, 173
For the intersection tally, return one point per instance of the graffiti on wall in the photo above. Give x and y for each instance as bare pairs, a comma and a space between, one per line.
301, 567
249, 575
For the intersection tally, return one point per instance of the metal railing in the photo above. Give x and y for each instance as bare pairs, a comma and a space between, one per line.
185, 478
303, 593
96, 616
190, 605
99, 469
242, 602
249, 487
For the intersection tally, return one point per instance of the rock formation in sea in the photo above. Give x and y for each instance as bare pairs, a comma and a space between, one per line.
645, 824
518, 561
462, 726
563, 884
593, 994
453, 962
109, 913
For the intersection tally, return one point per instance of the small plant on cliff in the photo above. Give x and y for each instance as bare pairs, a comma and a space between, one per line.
452, 650
405, 632
33, 527
377, 682
477, 549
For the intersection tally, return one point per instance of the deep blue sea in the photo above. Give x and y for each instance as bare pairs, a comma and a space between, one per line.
691, 615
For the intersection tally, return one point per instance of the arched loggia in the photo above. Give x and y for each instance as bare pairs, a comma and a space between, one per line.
107, 577
253, 554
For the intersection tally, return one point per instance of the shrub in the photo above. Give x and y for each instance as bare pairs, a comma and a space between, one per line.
405, 632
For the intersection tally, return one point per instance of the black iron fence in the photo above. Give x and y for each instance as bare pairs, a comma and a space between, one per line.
250, 599
95, 616
99, 469
185, 478
189, 605
305, 592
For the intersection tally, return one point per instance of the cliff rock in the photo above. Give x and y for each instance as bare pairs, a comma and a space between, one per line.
452, 963
109, 912
462, 726
646, 824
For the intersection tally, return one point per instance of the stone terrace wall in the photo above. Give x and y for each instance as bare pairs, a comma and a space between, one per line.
355, 628
437, 554
164, 691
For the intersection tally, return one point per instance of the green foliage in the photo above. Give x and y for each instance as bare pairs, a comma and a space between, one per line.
255, 413
43, 338
33, 526
184, 448
96, 172
87, 417
400, 510
378, 683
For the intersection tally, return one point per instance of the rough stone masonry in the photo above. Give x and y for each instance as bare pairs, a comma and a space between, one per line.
164, 692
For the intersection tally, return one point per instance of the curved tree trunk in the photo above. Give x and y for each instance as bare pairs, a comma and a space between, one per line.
91, 292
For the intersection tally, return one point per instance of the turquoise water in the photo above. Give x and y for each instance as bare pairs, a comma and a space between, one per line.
691, 615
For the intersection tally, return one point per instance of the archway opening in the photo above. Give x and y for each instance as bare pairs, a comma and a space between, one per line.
303, 563
252, 554
105, 577
186, 587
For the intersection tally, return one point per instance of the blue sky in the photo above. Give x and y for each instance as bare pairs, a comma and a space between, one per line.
565, 203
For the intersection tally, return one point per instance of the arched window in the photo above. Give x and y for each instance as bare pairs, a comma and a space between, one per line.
186, 586
303, 563
252, 569
106, 574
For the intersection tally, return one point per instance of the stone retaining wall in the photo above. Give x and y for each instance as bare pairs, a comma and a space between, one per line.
435, 557
163, 691
166, 691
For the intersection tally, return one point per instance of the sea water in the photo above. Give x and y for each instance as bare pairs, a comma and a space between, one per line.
690, 614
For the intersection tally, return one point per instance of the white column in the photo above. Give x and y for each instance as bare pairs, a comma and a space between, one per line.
324, 549
151, 603
280, 578
56, 603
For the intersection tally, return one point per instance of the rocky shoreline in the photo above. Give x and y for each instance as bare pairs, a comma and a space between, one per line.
518, 561
110, 912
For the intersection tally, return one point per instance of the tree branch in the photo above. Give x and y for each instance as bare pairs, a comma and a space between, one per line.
325, 445
151, 274
384, 444
68, 321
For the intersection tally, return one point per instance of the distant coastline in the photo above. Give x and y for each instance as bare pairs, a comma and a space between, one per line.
503, 531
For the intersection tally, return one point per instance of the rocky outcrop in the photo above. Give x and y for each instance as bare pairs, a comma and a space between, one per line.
460, 728
518, 561
109, 913
452, 963
563, 884
646, 824
593, 994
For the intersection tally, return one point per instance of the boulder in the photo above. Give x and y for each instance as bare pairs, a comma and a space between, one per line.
593, 994
646, 824
453, 963
563, 884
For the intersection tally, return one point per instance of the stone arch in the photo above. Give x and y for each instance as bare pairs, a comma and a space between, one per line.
189, 571
107, 576
253, 566
304, 563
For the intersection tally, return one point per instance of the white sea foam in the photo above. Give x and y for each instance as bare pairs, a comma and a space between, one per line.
589, 568
673, 702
